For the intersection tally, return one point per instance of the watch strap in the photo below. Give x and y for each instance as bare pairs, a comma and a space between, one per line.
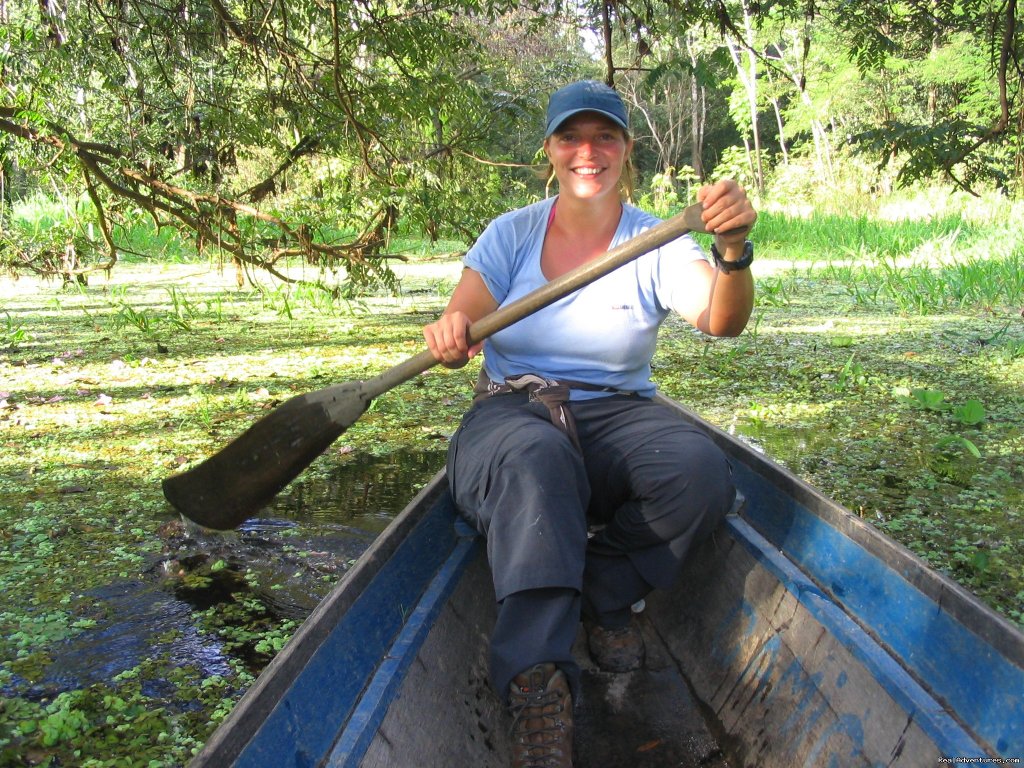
734, 266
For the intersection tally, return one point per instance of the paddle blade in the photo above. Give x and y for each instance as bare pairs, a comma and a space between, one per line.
245, 475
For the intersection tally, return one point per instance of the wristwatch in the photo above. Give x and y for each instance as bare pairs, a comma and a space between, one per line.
734, 266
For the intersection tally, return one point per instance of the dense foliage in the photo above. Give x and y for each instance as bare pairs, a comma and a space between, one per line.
266, 131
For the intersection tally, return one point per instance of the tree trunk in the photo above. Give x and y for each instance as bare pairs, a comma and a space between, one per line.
822, 145
933, 88
1018, 160
747, 74
5, 190
606, 23
782, 133
698, 114
752, 95
778, 121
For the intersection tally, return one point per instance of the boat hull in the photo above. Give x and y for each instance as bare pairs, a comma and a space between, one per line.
797, 635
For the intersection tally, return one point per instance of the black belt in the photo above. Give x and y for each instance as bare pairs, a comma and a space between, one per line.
552, 393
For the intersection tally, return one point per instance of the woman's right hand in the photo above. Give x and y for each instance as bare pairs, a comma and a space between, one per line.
448, 339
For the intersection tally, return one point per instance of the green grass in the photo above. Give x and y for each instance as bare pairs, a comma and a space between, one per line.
40, 222
821, 237
991, 284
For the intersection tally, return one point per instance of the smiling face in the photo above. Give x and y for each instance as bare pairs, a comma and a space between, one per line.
588, 153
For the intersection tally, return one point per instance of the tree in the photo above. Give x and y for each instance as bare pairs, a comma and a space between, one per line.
742, 51
665, 59
952, 128
957, 136
785, 55
313, 129
266, 130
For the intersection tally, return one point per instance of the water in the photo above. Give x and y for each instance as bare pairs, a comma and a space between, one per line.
140, 613
784, 444
286, 561
364, 493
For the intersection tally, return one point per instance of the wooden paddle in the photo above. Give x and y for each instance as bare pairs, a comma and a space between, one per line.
245, 475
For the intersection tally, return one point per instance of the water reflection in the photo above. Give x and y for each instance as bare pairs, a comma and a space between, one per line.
365, 492
785, 444
283, 562
138, 613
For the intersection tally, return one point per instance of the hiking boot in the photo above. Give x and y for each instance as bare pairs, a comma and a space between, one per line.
541, 707
616, 650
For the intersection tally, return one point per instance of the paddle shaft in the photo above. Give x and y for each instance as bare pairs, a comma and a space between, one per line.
688, 220
234, 483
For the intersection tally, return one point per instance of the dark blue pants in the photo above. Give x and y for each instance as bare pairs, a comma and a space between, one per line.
656, 484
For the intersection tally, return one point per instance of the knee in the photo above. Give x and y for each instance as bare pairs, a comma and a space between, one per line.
710, 482
719, 496
707, 486
539, 452
695, 496
692, 460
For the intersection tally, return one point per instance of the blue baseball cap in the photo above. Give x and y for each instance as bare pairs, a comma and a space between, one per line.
585, 96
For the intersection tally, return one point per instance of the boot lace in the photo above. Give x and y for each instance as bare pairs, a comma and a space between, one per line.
531, 720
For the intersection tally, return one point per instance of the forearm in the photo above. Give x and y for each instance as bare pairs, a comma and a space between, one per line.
730, 298
471, 297
731, 302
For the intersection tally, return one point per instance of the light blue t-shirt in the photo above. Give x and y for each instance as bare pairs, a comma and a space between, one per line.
603, 334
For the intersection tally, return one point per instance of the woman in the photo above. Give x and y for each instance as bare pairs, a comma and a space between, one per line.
564, 435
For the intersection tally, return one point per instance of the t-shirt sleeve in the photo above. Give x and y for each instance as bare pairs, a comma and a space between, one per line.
491, 256
672, 274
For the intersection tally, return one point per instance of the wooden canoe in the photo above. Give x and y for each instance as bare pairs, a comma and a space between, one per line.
798, 636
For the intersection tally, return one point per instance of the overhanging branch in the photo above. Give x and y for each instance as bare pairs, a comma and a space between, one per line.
212, 218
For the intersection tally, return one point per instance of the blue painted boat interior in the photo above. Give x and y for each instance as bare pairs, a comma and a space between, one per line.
919, 705
373, 705
304, 725
982, 686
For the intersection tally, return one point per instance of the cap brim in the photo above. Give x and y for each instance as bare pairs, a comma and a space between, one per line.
557, 121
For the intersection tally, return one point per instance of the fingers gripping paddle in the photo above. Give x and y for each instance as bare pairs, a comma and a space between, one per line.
245, 475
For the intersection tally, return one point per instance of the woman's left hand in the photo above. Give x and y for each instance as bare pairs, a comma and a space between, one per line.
728, 213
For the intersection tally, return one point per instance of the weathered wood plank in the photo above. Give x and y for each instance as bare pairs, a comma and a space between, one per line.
446, 714
642, 719
785, 687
